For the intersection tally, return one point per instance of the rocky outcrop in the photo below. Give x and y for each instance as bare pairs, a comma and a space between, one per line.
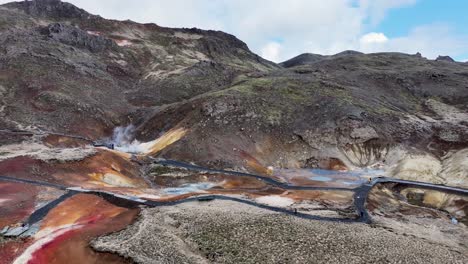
445, 58
73, 36
55, 9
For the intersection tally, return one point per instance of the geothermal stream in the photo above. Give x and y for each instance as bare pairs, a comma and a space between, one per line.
122, 141
360, 193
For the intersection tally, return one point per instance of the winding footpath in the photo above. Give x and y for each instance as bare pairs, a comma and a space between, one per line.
361, 194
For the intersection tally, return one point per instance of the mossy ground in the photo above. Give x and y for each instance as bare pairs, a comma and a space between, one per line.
158, 170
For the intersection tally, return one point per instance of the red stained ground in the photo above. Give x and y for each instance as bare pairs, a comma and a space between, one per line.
17, 202
25, 168
90, 215
72, 173
12, 249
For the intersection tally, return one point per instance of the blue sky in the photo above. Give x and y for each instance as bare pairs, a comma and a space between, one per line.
399, 22
278, 29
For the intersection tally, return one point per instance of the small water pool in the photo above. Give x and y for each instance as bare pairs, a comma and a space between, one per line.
188, 188
320, 178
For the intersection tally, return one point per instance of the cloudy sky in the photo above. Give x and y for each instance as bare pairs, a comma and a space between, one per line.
279, 29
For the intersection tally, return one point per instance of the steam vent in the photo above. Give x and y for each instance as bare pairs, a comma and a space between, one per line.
123, 142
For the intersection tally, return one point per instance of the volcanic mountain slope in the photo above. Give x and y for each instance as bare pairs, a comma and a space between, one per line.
62, 67
65, 70
362, 109
310, 58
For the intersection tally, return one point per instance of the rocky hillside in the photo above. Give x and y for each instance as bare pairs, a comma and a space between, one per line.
65, 70
358, 108
62, 67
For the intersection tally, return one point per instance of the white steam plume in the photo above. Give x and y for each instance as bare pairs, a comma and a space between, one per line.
124, 140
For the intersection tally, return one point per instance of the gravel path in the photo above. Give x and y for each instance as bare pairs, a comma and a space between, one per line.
228, 232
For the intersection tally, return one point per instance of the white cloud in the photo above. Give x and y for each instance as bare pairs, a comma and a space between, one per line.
316, 26
431, 40
271, 51
376, 9
373, 37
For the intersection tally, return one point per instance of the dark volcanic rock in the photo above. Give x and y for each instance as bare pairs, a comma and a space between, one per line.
54, 9
348, 52
303, 59
76, 37
445, 58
